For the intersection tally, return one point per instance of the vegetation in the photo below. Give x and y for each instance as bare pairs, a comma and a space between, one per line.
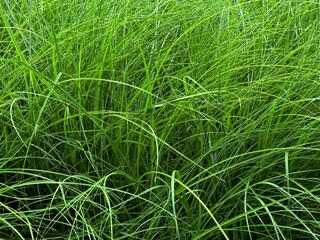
159, 119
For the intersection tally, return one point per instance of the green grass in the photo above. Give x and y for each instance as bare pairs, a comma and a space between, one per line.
159, 119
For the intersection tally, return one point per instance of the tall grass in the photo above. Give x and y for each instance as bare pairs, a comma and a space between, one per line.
159, 119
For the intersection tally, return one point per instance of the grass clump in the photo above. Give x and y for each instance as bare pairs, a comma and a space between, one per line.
159, 119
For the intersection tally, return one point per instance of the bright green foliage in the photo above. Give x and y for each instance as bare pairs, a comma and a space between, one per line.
161, 119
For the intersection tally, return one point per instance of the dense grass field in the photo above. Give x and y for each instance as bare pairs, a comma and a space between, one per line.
163, 119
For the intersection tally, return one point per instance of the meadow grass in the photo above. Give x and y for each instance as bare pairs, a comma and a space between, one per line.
159, 119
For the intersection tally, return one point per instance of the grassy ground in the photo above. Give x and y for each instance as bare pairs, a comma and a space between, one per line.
159, 119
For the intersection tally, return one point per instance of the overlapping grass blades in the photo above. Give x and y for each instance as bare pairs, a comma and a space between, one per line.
159, 119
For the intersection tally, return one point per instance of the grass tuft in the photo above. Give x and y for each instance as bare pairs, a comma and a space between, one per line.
159, 119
